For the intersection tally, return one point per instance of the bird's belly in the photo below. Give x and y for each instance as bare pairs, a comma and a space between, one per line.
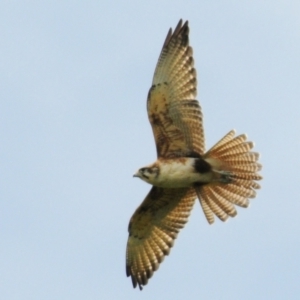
180, 175
177, 182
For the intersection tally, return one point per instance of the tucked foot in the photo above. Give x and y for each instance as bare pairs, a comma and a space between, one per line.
224, 176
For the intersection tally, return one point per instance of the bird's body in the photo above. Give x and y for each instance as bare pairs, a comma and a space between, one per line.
176, 173
183, 172
222, 177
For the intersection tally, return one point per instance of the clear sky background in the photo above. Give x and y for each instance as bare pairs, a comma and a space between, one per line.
73, 129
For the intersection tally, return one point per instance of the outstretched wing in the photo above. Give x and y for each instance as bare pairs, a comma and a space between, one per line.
153, 228
174, 114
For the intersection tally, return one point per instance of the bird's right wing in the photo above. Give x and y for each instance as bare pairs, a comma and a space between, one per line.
153, 228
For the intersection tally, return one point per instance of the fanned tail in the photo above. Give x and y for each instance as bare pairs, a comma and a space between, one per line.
232, 158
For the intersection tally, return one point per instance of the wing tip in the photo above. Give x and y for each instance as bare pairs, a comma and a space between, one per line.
138, 280
182, 28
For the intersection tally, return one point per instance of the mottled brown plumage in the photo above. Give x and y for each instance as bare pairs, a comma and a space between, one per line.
173, 112
227, 173
153, 228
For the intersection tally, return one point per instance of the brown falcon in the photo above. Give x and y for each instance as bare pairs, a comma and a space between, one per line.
222, 177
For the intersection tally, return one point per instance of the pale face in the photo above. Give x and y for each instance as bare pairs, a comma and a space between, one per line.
147, 174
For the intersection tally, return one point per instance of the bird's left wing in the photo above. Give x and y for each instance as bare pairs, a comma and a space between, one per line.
153, 228
173, 111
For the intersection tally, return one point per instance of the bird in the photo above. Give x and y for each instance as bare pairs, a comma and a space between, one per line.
224, 176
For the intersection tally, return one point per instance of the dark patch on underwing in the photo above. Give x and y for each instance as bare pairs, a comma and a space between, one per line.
155, 193
193, 154
143, 209
155, 120
201, 166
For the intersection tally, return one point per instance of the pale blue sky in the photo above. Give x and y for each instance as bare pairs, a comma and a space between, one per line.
73, 129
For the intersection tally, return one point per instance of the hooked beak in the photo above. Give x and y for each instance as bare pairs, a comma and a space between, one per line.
137, 174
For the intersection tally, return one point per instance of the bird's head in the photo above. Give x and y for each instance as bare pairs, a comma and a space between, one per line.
148, 174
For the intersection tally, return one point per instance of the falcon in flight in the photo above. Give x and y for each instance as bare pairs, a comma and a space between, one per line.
220, 178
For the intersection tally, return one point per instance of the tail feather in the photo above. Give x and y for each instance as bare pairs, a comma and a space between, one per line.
213, 203
247, 168
247, 184
228, 137
238, 140
204, 198
244, 158
231, 154
233, 197
241, 190
248, 176
241, 148
217, 210
210, 208
227, 207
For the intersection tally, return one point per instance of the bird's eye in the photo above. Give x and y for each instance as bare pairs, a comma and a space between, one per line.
143, 171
